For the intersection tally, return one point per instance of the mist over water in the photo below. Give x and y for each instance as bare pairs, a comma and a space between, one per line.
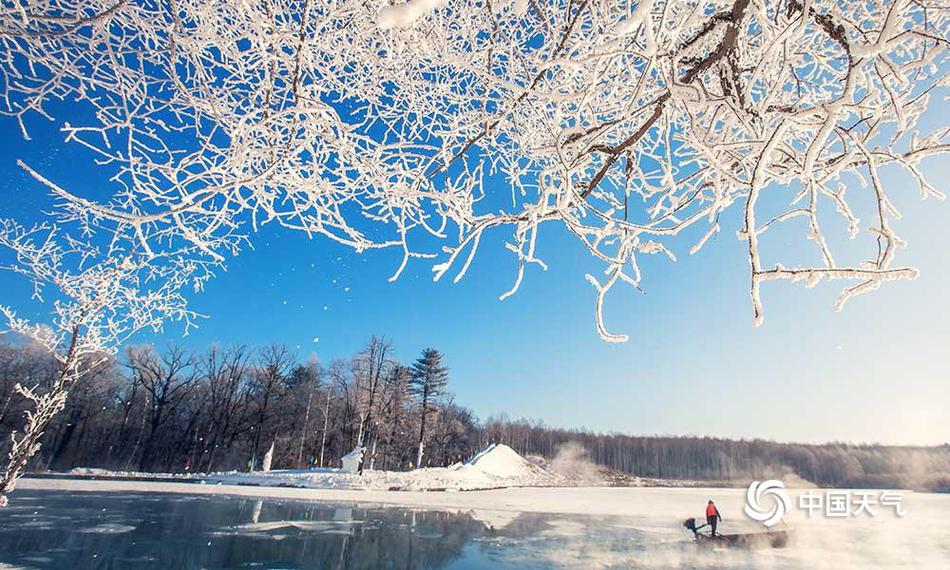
573, 462
53, 530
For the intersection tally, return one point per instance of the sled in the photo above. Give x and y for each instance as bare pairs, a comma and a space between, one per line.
765, 539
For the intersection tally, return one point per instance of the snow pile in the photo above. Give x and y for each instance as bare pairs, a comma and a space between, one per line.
503, 462
494, 467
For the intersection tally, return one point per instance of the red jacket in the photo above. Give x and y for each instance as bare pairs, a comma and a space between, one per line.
712, 511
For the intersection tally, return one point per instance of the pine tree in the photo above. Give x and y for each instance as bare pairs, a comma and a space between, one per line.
429, 380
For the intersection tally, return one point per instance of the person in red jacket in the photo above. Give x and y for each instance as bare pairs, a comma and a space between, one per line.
712, 516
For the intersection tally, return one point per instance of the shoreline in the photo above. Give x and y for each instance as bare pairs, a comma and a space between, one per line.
602, 501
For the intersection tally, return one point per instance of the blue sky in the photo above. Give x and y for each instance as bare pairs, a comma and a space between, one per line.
878, 372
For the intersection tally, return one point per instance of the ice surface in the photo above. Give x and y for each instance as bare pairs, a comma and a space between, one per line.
501, 487
504, 528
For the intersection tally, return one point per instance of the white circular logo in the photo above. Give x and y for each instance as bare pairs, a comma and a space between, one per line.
767, 501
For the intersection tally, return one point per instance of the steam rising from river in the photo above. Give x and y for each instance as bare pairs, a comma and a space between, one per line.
573, 462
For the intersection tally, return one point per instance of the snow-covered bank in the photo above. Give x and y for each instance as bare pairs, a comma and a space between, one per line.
497, 466
494, 468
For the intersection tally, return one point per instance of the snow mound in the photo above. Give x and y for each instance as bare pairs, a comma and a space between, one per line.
503, 462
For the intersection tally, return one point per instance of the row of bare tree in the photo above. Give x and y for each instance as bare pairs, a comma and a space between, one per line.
720, 460
172, 409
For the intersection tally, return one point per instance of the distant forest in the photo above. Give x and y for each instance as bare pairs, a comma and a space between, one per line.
173, 410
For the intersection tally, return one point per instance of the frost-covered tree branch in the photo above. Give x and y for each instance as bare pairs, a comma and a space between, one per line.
384, 124
97, 297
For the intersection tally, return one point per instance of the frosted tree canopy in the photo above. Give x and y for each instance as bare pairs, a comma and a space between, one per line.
408, 124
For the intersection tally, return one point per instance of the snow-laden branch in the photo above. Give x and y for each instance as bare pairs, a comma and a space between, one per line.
385, 124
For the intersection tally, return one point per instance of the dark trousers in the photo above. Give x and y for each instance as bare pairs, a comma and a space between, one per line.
712, 521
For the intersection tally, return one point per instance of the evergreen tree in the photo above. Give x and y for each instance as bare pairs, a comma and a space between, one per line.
429, 380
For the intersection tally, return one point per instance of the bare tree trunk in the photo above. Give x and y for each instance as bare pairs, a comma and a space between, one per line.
372, 455
6, 407
145, 462
306, 426
422, 429
72, 422
192, 454
138, 439
326, 424
209, 466
125, 421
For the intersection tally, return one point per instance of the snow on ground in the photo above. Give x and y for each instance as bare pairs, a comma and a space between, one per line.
495, 467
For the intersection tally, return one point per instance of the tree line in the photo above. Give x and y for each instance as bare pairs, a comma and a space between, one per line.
173, 409
720, 460
238, 408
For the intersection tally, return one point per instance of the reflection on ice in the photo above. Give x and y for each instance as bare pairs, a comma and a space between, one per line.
109, 528
276, 525
112, 530
494, 519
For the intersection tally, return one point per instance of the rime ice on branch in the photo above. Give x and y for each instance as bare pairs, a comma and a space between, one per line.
98, 296
378, 124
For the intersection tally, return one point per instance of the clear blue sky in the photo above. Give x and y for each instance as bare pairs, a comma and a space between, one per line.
878, 372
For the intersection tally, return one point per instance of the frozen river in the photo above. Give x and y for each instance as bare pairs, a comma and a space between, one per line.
611, 528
